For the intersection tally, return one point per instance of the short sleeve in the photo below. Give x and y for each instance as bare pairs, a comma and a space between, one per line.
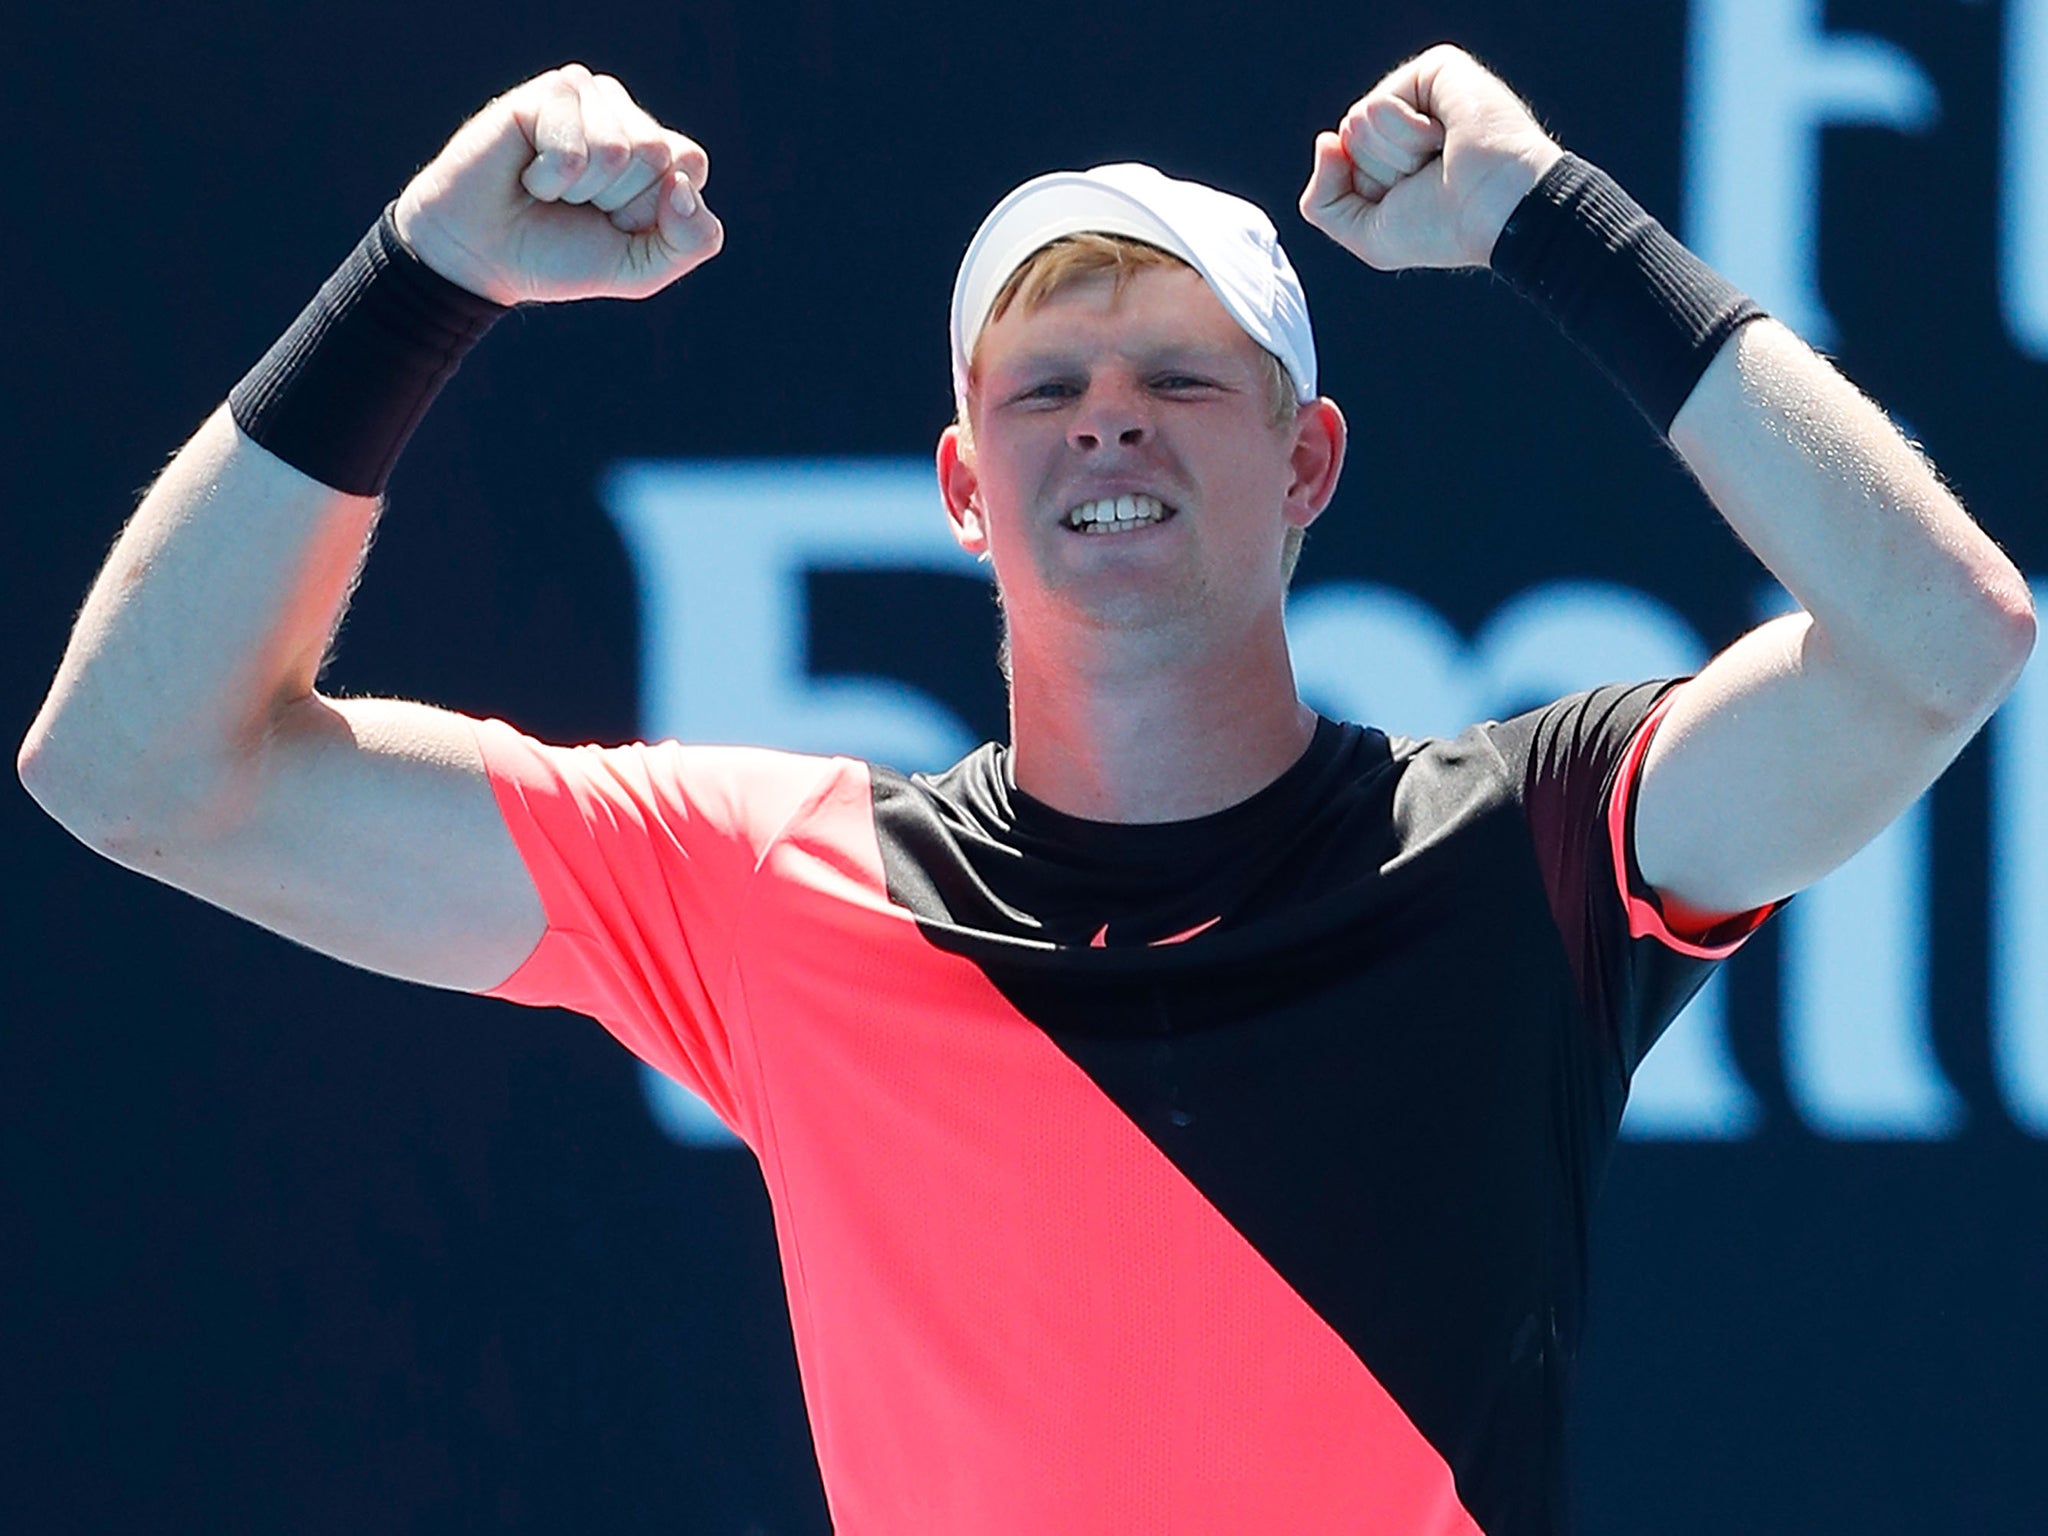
642, 856
1576, 763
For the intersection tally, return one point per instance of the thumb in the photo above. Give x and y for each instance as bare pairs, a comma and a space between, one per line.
686, 233
1331, 200
677, 209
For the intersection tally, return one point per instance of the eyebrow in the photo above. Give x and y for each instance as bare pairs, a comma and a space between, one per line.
1166, 354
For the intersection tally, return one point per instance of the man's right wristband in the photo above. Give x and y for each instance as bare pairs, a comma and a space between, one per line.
1647, 310
340, 393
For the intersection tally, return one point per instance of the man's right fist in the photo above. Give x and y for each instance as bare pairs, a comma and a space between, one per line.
562, 188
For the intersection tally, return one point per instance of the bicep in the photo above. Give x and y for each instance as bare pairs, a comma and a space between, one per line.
1773, 766
367, 829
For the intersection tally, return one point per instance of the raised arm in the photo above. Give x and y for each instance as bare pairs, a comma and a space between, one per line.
1805, 738
184, 736
1802, 740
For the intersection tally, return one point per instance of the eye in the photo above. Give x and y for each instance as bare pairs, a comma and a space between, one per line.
1046, 390
1181, 383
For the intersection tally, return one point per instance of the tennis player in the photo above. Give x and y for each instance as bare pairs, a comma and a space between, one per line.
1184, 1115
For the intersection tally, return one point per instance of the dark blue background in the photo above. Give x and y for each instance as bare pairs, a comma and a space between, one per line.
290, 1246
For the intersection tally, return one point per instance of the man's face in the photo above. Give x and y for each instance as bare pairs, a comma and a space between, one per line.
1152, 401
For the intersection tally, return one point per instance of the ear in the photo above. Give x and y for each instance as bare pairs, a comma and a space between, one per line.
1316, 460
962, 492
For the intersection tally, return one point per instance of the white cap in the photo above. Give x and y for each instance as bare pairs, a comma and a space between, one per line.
1226, 239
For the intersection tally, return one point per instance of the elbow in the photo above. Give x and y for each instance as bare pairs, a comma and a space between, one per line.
31, 767
1993, 649
134, 795
91, 793
64, 787
2013, 625
36, 764
2022, 611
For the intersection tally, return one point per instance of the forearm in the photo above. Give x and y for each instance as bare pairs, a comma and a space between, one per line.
210, 616
1916, 608
1910, 595
1801, 741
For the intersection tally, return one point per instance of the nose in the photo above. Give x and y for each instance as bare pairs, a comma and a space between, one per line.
1112, 411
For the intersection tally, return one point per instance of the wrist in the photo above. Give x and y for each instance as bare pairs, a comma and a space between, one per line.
340, 393
426, 238
1647, 310
1504, 190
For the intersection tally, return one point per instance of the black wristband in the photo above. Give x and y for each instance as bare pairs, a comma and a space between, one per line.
1646, 309
341, 391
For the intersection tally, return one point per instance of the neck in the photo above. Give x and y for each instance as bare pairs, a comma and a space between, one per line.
1113, 728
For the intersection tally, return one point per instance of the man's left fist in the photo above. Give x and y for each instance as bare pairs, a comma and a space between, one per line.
1426, 166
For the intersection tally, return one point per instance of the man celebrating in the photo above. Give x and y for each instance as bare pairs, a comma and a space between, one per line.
1184, 1117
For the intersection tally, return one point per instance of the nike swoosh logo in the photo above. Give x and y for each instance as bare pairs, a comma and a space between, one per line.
1101, 939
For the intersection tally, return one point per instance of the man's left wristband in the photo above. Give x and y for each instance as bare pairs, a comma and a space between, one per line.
1648, 311
339, 394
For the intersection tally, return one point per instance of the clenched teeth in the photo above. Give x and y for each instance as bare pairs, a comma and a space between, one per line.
1115, 514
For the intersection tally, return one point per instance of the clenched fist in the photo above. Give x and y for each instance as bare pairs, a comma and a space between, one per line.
1426, 166
562, 188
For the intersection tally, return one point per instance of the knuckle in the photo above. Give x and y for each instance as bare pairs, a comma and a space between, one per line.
550, 90
610, 154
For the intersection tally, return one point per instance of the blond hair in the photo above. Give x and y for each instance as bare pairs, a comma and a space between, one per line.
1052, 269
